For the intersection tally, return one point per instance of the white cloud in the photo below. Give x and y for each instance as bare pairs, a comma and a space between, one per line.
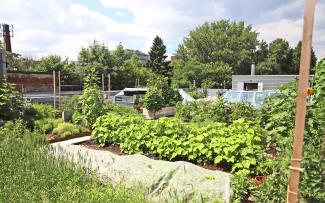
61, 27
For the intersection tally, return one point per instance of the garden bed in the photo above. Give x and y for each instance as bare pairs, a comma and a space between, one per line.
115, 149
52, 138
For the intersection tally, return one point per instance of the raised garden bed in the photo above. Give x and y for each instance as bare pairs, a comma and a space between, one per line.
52, 138
164, 112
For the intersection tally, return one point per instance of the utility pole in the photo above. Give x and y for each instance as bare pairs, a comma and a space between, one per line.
293, 187
54, 93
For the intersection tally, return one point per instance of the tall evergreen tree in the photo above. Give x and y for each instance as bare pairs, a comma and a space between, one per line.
157, 55
296, 59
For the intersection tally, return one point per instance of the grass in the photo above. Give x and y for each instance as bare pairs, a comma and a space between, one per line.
29, 174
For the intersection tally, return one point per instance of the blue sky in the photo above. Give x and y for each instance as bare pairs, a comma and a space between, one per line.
62, 27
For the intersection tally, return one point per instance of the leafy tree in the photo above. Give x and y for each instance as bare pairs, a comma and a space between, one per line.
96, 55
17, 62
224, 41
50, 63
157, 55
279, 58
119, 55
126, 74
186, 72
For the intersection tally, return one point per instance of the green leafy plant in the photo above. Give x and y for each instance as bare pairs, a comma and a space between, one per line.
11, 103
47, 125
92, 102
238, 145
66, 130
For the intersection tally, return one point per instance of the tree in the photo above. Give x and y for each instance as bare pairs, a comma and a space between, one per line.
279, 59
296, 59
96, 55
157, 55
185, 72
50, 63
119, 55
17, 62
224, 41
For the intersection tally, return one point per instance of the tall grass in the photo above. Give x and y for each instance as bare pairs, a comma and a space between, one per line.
29, 174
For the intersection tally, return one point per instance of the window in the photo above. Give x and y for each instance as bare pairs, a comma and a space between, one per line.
250, 86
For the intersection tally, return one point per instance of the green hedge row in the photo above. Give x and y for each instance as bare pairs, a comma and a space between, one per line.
238, 146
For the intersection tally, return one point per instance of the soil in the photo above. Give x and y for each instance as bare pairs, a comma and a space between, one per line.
94, 145
52, 138
91, 144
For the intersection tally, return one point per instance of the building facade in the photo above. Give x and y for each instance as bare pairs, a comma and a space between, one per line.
261, 82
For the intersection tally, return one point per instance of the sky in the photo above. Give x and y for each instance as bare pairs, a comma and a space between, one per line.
62, 27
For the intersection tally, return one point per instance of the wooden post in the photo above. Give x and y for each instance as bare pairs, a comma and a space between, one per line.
109, 87
293, 187
59, 78
54, 87
103, 83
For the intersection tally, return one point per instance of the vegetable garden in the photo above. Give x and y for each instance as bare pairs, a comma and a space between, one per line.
254, 145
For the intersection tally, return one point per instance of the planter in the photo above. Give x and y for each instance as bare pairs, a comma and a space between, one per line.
164, 112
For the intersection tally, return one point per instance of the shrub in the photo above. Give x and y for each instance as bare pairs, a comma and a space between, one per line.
153, 101
47, 125
11, 103
66, 130
45, 111
203, 112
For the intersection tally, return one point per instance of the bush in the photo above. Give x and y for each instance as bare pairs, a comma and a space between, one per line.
153, 101
44, 111
47, 125
160, 94
66, 130
11, 103
202, 112
238, 145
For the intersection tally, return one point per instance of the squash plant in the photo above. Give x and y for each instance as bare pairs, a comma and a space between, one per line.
239, 144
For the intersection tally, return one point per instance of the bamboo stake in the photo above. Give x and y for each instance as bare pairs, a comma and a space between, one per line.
59, 78
54, 93
293, 187
103, 85
109, 86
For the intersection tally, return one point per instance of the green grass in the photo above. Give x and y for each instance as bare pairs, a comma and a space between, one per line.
29, 174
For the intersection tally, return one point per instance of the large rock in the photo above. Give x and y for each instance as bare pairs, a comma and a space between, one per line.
164, 181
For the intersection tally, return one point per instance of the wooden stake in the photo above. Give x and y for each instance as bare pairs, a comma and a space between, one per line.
293, 187
103, 83
59, 78
109, 87
54, 87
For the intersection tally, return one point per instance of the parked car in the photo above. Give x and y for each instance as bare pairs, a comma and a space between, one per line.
256, 98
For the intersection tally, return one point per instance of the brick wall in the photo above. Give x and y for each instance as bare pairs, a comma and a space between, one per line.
32, 82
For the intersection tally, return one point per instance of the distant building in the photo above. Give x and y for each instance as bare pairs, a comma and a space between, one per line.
144, 58
261, 82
